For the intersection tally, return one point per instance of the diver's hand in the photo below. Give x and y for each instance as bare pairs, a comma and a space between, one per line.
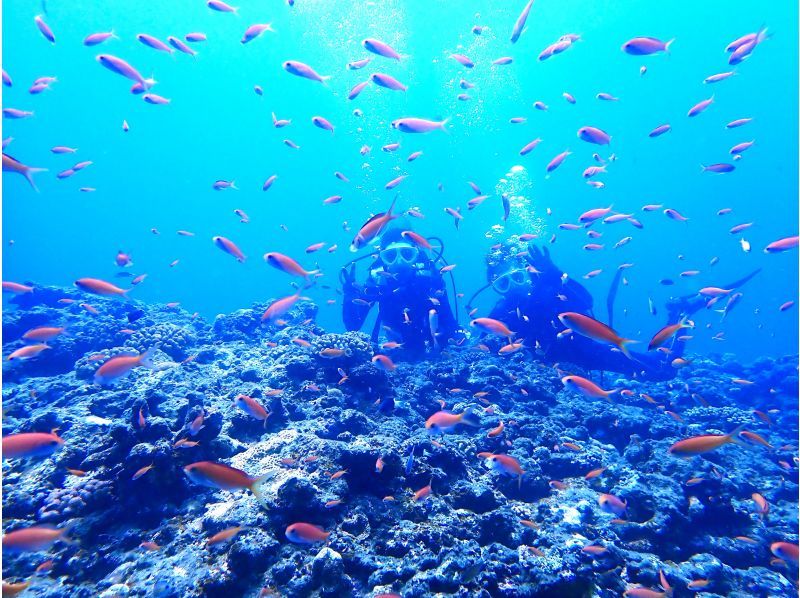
539, 258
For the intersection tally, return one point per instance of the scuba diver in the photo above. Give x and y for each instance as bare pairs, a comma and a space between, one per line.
409, 289
533, 292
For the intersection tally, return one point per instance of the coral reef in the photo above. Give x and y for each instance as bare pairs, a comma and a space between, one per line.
345, 448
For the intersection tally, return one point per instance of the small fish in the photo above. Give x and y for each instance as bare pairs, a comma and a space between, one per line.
306, 533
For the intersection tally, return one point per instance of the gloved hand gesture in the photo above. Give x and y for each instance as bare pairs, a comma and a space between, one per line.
539, 258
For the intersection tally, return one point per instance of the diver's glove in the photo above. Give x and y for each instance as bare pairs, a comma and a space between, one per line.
539, 258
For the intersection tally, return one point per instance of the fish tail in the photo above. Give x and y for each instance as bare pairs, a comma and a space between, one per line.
27, 174
469, 419
148, 83
623, 346
733, 435
443, 125
146, 358
668, 44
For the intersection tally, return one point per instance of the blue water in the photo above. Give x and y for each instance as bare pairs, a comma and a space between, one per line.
160, 173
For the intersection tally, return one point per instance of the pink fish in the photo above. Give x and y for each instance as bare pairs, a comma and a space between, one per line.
529, 147
737, 123
155, 43
322, 123
556, 162
358, 64
180, 46
220, 6
700, 107
380, 48
94, 39
519, 24
195, 37
268, 183
121, 67
643, 46
12, 165
254, 31
303, 70
718, 168
740, 147
502, 61
660, 130
595, 214
462, 60
594, 135
419, 125
387, 81
396, 181
782, 245
357, 89
675, 215
718, 77
44, 29
286, 264
229, 247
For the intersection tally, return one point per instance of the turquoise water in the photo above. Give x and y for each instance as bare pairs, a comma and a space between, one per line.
160, 173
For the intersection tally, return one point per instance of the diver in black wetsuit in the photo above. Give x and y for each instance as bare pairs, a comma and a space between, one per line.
406, 284
534, 292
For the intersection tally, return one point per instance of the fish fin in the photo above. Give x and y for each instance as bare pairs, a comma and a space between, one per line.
470, 419
27, 174
146, 358
668, 44
733, 435
623, 346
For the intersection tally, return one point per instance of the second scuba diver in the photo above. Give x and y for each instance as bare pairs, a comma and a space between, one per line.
533, 292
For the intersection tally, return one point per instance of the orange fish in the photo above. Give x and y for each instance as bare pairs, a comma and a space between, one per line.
117, 367
331, 353
594, 330
142, 471
416, 239
306, 533
338, 474
762, 506
586, 387
286, 264
31, 444
372, 228
279, 307
43, 333
224, 477
495, 432
594, 473
28, 352
225, 535
252, 408
667, 332
506, 464
15, 287
423, 492
229, 247
783, 550
31, 539
379, 465
594, 550
150, 546
384, 362
78, 473
697, 445
492, 326
611, 504
99, 287
444, 421
756, 438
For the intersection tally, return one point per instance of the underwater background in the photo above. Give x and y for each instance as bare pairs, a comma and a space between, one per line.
342, 441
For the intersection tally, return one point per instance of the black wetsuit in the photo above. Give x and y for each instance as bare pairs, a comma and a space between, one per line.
534, 318
404, 303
